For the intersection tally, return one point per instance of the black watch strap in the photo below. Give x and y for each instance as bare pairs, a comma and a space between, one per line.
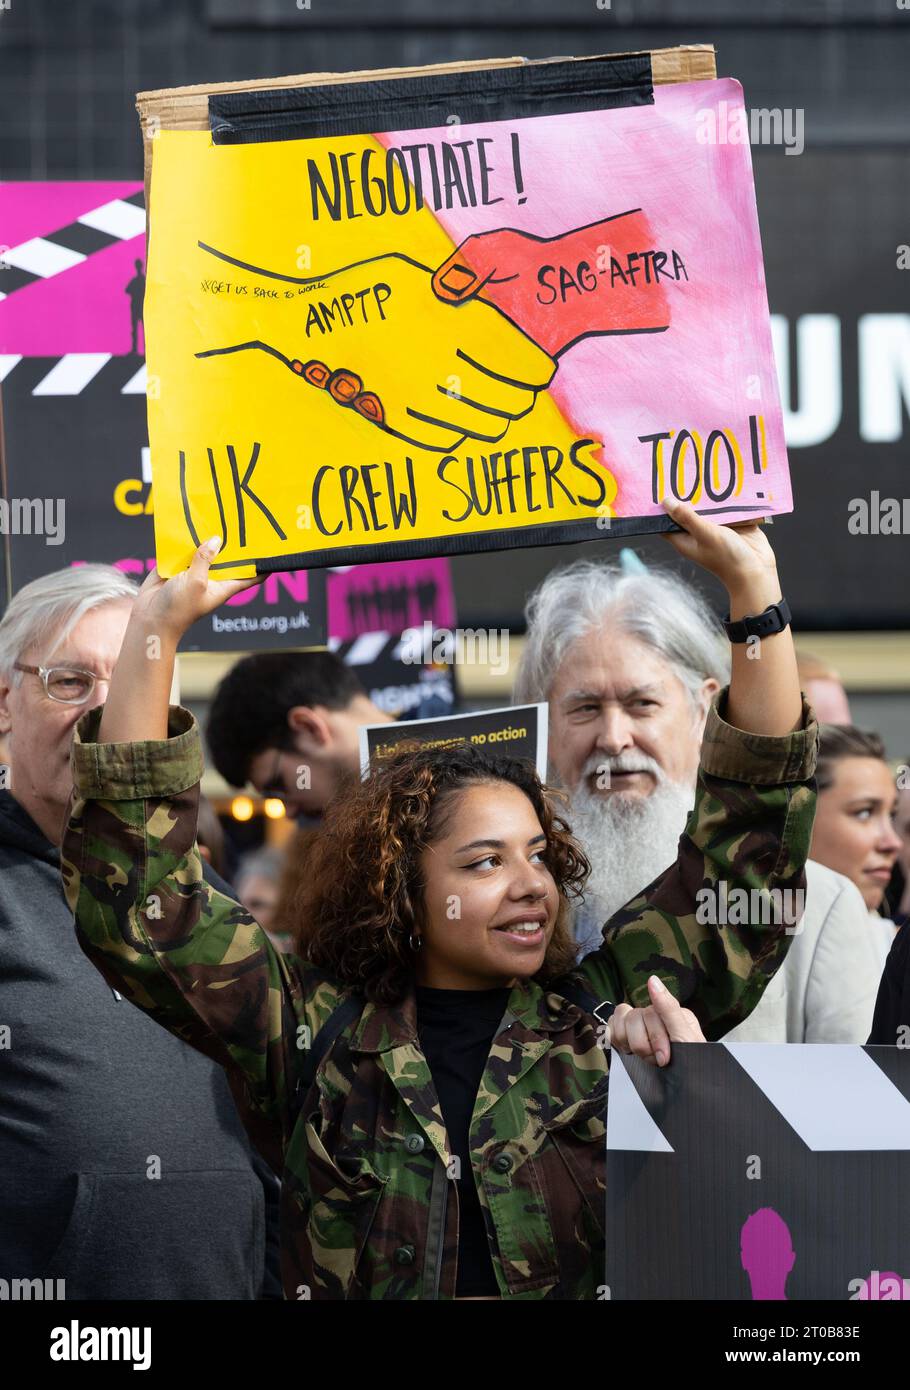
774, 619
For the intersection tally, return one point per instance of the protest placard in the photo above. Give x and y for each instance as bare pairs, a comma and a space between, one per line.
380, 342
519, 731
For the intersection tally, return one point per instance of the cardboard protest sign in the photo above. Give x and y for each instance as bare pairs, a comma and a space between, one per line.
76, 483
382, 343
187, 108
758, 1171
520, 731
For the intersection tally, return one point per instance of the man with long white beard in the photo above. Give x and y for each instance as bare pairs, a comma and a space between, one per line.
629, 660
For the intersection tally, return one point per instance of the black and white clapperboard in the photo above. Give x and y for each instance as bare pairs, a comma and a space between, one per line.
394, 686
759, 1171
374, 613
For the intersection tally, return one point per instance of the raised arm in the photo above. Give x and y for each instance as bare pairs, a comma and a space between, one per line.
187, 955
750, 826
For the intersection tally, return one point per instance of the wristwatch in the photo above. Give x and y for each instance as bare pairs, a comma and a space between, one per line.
774, 619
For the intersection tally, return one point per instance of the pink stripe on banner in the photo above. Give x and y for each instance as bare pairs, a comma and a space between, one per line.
35, 209
85, 309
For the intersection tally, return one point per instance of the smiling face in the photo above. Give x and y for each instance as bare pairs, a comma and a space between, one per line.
854, 831
621, 720
490, 902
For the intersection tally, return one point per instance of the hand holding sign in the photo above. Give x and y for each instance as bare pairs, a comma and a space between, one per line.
376, 337
648, 1032
171, 606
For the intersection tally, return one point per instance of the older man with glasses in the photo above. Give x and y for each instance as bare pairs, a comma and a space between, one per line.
110, 1189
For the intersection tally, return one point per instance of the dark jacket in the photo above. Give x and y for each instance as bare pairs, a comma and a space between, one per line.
94, 1101
891, 1020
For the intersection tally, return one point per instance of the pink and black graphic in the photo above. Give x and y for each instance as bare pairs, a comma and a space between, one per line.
72, 284
71, 254
389, 598
756, 1172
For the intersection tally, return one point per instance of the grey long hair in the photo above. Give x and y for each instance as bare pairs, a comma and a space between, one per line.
657, 606
47, 609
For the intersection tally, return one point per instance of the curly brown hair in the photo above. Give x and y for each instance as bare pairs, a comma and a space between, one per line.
364, 897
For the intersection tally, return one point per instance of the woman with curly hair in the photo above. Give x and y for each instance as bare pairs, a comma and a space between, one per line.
429, 1071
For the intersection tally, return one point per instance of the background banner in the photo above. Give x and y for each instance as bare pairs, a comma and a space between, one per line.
77, 482
389, 598
759, 1171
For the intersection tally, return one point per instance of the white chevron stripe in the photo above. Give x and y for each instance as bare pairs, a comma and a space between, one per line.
41, 257
8, 361
629, 1122
366, 648
807, 1083
136, 385
117, 218
71, 374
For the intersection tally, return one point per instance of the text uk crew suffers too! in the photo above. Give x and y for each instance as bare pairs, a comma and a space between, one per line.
372, 497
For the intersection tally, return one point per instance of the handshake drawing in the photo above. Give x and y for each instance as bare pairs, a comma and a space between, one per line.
437, 357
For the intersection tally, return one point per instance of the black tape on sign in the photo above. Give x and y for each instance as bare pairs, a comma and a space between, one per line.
429, 101
474, 542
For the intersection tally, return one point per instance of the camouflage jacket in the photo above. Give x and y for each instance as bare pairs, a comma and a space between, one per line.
368, 1208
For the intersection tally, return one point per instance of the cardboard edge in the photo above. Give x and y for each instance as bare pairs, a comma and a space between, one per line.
187, 108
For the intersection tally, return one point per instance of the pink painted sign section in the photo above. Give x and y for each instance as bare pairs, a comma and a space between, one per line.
85, 308
390, 597
711, 367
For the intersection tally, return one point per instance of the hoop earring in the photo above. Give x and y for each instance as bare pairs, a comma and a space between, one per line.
415, 942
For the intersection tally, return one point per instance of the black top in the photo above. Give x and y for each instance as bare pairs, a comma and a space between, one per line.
456, 1028
892, 1007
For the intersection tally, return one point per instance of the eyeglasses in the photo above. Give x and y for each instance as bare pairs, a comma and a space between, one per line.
68, 685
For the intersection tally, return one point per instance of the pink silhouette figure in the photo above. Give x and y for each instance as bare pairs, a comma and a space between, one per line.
767, 1253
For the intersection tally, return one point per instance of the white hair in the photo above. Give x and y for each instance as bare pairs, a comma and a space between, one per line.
266, 862
46, 610
657, 606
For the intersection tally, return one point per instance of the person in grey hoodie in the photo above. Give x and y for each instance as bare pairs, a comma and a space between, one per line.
115, 1182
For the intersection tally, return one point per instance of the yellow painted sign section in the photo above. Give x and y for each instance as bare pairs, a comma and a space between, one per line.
309, 393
